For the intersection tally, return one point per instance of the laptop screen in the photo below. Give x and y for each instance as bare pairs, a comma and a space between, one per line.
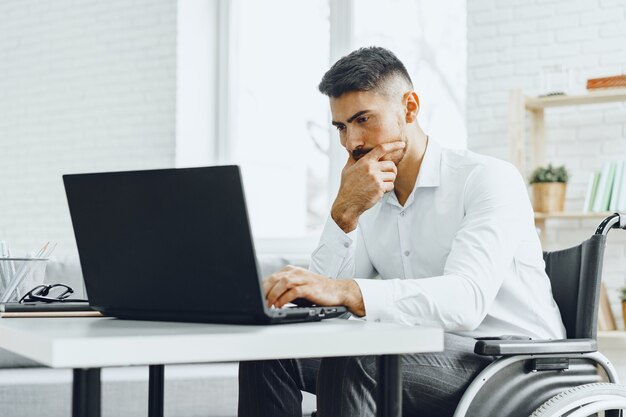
170, 240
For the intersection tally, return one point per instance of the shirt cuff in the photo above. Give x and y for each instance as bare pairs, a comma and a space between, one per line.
378, 299
335, 238
334, 250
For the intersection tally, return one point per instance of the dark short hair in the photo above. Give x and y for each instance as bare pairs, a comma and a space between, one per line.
365, 69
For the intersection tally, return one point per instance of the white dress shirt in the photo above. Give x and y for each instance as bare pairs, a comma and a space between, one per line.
462, 253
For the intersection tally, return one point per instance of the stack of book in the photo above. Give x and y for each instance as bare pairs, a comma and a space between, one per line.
606, 190
607, 82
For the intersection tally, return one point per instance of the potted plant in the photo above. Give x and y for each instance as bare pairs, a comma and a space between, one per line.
548, 184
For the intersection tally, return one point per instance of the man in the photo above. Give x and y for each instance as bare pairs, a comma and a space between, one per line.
449, 234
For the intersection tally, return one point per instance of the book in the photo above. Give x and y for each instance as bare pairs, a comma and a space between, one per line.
606, 198
617, 186
606, 82
42, 309
592, 187
621, 203
603, 194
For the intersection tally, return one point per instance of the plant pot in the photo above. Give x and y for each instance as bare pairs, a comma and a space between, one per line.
624, 312
548, 197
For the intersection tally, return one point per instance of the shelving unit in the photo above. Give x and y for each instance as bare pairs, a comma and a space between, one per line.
571, 215
540, 218
606, 95
526, 160
610, 343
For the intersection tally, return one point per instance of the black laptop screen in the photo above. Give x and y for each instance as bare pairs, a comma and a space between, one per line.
165, 240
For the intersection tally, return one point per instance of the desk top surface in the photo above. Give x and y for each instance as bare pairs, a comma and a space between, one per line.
99, 342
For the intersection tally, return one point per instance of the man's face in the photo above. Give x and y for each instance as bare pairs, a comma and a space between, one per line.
366, 119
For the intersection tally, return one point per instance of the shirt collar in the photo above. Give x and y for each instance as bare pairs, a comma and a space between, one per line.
430, 170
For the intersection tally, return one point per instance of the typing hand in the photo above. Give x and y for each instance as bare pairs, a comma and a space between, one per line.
291, 283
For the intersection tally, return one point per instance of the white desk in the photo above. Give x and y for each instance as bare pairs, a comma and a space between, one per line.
88, 344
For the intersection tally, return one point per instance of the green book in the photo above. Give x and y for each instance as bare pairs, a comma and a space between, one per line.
617, 186
603, 194
606, 199
621, 203
592, 187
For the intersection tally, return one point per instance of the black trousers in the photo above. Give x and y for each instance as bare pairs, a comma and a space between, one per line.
433, 383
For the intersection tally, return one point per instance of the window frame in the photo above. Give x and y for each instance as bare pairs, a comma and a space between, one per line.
341, 19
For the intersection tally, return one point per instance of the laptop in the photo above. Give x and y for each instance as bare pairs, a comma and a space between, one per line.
172, 245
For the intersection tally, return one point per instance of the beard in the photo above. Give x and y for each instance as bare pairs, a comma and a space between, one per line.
360, 153
395, 156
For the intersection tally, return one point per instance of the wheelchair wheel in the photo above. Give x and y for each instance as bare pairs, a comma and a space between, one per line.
585, 400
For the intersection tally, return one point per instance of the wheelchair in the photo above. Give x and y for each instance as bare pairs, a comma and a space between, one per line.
554, 378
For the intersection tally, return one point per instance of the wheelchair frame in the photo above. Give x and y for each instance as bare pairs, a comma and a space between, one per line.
614, 221
501, 363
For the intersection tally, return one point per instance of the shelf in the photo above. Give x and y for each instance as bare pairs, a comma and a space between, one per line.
523, 158
606, 95
572, 215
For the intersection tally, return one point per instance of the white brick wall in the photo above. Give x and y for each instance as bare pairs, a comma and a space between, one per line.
508, 43
84, 86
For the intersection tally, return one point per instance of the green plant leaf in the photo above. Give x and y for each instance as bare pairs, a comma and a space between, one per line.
549, 174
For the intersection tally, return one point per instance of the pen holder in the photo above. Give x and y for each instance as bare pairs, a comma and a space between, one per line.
20, 275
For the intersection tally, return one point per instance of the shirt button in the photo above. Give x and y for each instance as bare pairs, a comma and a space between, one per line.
407, 253
346, 245
402, 214
377, 320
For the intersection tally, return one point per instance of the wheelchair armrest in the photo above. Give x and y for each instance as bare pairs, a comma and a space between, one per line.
534, 347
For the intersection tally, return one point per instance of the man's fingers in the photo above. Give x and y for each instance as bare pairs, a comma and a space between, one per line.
388, 166
268, 283
387, 186
276, 291
281, 286
351, 161
383, 149
289, 296
271, 280
387, 176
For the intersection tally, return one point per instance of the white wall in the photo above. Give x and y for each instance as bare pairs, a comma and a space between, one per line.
196, 82
430, 39
84, 86
508, 43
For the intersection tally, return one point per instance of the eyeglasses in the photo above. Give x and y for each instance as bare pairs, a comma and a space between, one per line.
49, 294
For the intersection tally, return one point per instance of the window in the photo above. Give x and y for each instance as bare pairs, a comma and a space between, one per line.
430, 39
279, 124
280, 120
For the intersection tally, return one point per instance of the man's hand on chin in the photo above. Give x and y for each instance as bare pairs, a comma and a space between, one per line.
293, 282
363, 184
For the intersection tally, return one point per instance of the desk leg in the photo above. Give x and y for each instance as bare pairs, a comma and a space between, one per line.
389, 392
86, 393
155, 391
